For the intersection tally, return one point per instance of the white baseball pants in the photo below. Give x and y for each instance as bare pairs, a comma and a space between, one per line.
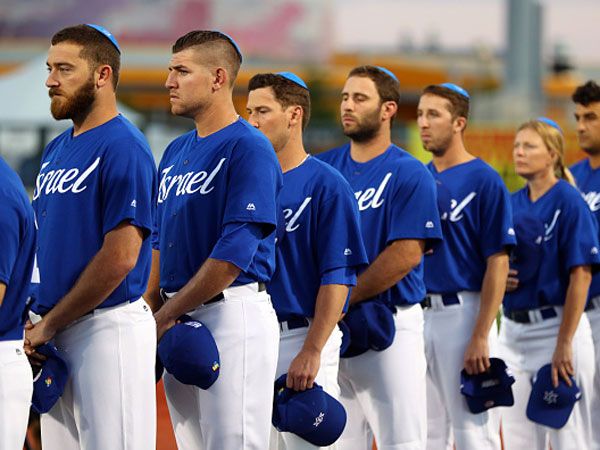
594, 319
16, 387
290, 344
526, 348
235, 412
448, 331
109, 401
384, 392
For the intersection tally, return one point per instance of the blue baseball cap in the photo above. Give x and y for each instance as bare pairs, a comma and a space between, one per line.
313, 414
550, 122
189, 352
107, 34
388, 72
456, 88
489, 389
371, 325
49, 383
159, 369
293, 78
548, 405
526, 256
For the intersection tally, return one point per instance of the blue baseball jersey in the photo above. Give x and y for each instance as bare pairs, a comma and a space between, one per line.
17, 252
588, 182
207, 183
319, 242
569, 239
87, 185
396, 198
476, 217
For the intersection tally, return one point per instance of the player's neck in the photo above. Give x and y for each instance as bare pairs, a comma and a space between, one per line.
367, 150
100, 113
541, 183
594, 161
292, 154
215, 117
455, 154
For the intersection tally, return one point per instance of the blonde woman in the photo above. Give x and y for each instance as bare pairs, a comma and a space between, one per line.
547, 287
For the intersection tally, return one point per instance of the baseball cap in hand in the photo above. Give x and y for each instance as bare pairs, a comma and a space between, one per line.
548, 405
189, 352
345, 337
371, 325
489, 389
313, 414
527, 255
49, 383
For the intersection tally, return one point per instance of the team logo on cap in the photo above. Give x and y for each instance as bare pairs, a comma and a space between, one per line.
215, 366
319, 419
550, 397
48, 381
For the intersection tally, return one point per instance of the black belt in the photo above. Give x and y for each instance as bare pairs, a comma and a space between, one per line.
220, 296
447, 300
293, 323
524, 315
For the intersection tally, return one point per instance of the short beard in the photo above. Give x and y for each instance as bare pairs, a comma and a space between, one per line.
76, 107
592, 151
366, 130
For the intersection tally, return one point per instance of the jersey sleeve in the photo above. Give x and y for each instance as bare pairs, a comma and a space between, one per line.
341, 275
339, 241
129, 185
9, 240
414, 212
238, 244
579, 236
253, 185
495, 216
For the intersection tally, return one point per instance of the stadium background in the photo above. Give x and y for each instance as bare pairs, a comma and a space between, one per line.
518, 58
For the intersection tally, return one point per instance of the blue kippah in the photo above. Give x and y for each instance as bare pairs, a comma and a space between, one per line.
388, 72
550, 122
293, 78
235, 46
106, 34
456, 88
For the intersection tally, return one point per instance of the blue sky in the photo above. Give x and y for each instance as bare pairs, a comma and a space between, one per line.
463, 23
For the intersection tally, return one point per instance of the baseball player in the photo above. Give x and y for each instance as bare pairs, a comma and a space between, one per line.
94, 201
17, 241
384, 391
543, 309
215, 248
587, 177
319, 247
465, 275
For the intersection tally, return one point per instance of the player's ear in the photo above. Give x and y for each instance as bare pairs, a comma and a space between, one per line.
460, 124
388, 110
221, 79
296, 114
103, 75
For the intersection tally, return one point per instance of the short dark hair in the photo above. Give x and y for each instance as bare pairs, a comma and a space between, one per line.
287, 93
97, 49
459, 104
387, 87
227, 49
587, 93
